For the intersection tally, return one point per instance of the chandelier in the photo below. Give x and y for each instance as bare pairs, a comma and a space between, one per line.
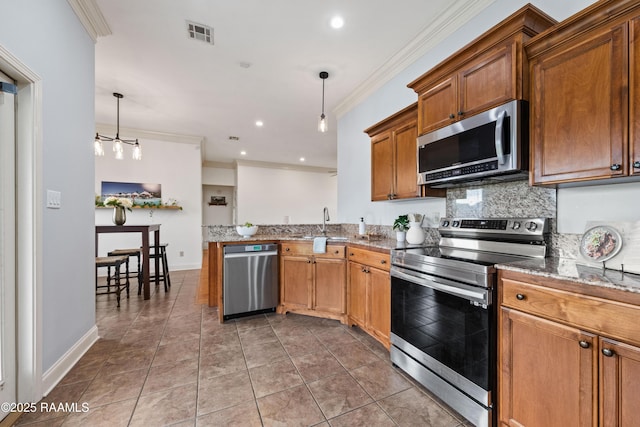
118, 143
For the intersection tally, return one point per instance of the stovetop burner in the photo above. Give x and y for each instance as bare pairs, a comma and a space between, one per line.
469, 248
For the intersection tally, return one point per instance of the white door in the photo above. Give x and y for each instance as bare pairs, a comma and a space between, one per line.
7, 245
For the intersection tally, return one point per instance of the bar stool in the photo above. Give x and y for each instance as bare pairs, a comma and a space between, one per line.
159, 251
131, 273
115, 262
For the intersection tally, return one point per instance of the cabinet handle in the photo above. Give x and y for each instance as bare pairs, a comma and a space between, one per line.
351, 254
363, 270
461, 113
336, 252
636, 164
383, 261
607, 352
308, 261
584, 344
520, 297
452, 116
615, 167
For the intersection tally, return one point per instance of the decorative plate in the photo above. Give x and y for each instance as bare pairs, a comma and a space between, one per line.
600, 243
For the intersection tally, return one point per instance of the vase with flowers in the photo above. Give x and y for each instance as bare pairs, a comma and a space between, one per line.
119, 205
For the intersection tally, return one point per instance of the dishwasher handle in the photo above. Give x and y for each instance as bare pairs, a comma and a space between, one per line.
250, 254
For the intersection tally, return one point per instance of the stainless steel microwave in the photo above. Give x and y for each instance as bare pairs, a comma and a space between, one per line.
490, 145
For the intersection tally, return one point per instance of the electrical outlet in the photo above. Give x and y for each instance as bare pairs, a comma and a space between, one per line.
181, 253
54, 199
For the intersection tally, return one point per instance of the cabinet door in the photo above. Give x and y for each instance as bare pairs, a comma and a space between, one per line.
357, 296
438, 105
297, 279
634, 96
488, 81
330, 285
379, 304
382, 167
406, 165
547, 374
579, 109
619, 384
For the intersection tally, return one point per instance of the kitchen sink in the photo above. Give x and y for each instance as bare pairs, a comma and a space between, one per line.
329, 238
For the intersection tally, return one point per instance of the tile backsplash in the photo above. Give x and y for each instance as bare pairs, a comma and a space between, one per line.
505, 199
500, 200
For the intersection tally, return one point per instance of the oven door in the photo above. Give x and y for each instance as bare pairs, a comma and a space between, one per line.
448, 327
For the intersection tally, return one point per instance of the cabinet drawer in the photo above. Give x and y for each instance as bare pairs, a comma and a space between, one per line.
306, 249
373, 259
614, 319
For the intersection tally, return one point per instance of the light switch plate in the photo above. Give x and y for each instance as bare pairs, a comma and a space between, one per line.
54, 199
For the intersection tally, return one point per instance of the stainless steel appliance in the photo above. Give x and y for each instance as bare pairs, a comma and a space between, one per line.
443, 308
250, 279
493, 144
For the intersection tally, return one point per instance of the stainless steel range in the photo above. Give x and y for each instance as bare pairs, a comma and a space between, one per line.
443, 307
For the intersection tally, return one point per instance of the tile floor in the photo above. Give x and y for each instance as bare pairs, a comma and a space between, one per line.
168, 361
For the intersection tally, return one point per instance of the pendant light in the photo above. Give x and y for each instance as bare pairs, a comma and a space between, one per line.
118, 147
323, 124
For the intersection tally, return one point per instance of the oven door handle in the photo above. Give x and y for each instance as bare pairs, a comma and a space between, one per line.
478, 297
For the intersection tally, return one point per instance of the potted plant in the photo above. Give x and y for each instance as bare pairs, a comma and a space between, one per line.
401, 225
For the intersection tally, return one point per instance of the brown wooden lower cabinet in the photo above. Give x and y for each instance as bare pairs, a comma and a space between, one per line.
369, 295
619, 383
558, 363
548, 377
313, 284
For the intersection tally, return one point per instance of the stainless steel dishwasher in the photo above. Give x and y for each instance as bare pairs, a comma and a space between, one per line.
250, 279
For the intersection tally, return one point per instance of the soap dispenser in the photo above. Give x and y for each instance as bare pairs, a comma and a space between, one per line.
361, 227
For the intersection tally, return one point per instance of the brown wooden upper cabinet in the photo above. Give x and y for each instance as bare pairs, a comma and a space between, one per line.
488, 72
585, 96
394, 165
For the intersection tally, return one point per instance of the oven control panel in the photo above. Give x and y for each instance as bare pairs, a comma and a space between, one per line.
518, 228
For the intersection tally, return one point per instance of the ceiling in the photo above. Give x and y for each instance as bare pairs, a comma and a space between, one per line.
263, 65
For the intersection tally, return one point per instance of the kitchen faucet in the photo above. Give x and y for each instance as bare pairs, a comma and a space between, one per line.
325, 218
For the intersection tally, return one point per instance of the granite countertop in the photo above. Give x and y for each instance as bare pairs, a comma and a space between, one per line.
384, 244
568, 269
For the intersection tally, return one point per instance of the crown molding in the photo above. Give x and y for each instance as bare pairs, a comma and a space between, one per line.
218, 165
91, 17
131, 133
442, 26
286, 166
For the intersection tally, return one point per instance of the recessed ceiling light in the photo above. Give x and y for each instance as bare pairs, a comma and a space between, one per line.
243, 153
259, 123
302, 159
337, 22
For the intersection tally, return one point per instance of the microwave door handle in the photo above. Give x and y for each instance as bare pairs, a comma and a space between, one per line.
499, 137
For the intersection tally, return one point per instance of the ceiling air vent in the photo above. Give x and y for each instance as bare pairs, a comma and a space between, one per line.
200, 32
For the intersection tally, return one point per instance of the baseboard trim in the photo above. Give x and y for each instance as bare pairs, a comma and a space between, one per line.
59, 369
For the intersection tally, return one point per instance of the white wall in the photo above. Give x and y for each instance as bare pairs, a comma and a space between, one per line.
216, 214
354, 161
266, 195
175, 166
59, 50
219, 176
612, 202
